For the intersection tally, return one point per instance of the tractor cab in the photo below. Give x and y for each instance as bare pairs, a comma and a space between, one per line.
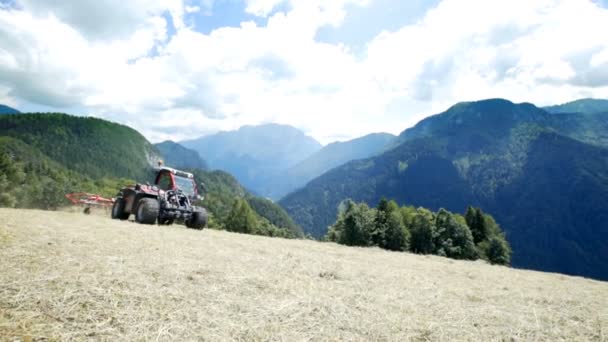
172, 179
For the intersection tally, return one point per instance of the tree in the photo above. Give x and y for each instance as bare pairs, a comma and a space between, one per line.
378, 231
241, 218
354, 225
499, 251
423, 232
453, 238
476, 221
397, 237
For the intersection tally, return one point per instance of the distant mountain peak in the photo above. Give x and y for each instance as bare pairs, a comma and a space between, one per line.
252, 153
4, 109
176, 155
488, 117
585, 106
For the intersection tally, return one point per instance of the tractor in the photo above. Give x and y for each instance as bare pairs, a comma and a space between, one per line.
168, 200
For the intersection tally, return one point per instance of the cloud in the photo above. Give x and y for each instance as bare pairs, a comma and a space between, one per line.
125, 60
104, 19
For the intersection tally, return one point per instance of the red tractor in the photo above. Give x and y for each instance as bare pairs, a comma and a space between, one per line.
168, 200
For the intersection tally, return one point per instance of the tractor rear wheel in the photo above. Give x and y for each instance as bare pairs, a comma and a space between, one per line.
118, 209
198, 220
147, 211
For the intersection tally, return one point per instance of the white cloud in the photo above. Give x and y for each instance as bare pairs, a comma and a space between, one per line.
126, 68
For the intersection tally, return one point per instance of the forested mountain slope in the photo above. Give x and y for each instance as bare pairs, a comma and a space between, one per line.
90, 146
547, 189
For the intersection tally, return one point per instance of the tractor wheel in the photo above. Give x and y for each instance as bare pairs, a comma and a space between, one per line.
118, 210
198, 219
147, 211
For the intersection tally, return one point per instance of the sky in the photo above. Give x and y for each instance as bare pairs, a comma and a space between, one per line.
336, 69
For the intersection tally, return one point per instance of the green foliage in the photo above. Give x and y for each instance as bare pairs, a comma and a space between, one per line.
241, 218
417, 230
397, 236
498, 251
423, 232
353, 225
453, 238
275, 215
476, 220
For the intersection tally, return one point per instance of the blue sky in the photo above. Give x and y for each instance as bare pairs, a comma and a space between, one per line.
178, 69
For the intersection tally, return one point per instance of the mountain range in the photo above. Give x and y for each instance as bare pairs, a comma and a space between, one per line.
543, 176
273, 160
252, 152
325, 159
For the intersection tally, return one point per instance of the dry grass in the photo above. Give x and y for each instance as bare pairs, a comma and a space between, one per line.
67, 276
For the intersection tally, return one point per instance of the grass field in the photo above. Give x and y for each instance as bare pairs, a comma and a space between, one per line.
67, 276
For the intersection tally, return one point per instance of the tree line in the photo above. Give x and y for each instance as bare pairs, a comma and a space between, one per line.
418, 230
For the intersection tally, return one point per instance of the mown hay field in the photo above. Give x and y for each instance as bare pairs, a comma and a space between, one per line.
67, 276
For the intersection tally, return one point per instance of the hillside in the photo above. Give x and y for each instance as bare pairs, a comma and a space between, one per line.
29, 179
547, 190
45, 156
90, 146
180, 157
8, 110
253, 152
75, 277
221, 190
330, 156
587, 106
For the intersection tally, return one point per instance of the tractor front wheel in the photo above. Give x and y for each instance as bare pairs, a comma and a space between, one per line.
198, 220
147, 211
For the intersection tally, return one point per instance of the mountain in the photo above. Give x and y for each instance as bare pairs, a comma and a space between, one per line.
8, 110
175, 155
90, 146
253, 152
587, 106
330, 156
545, 181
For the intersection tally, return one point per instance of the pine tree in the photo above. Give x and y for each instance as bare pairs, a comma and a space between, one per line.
241, 218
477, 224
